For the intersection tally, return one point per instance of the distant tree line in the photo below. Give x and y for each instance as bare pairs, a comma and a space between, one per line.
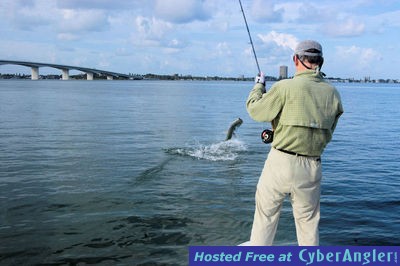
148, 76
151, 76
191, 77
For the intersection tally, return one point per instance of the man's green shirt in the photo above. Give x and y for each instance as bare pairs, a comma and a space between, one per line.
303, 111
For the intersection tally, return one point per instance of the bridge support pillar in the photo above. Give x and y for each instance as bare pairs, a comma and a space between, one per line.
65, 74
109, 77
35, 73
89, 76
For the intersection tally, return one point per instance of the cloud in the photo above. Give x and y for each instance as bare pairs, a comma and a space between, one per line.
26, 15
99, 4
383, 22
390, 19
78, 21
358, 58
283, 40
22, 50
347, 28
172, 46
176, 44
310, 13
181, 11
276, 49
67, 23
266, 11
151, 28
73, 25
67, 37
223, 49
156, 33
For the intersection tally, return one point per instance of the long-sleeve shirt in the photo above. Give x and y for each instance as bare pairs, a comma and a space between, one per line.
304, 112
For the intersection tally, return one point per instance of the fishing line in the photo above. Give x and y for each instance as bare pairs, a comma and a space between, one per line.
248, 31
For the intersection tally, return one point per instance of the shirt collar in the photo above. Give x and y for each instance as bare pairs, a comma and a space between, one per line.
310, 72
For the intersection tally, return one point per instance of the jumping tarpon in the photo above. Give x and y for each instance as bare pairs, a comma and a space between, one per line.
235, 124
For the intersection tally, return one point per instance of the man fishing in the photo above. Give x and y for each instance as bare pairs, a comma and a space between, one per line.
304, 112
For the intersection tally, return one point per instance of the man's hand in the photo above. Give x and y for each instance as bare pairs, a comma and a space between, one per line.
260, 78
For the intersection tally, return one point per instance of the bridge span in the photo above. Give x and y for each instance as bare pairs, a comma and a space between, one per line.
64, 70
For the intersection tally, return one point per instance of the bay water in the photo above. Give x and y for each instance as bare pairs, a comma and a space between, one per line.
135, 172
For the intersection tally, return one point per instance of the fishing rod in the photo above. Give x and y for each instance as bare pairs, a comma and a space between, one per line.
267, 135
251, 41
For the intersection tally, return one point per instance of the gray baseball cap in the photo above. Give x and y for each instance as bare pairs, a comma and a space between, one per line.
309, 48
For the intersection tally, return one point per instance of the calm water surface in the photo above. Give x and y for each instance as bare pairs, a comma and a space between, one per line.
134, 172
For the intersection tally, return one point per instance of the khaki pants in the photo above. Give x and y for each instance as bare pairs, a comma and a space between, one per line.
284, 174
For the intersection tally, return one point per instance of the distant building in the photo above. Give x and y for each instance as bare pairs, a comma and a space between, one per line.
283, 72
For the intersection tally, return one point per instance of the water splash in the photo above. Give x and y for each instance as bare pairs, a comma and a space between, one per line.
221, 151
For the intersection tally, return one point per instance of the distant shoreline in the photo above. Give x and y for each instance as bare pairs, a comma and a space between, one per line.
188, 77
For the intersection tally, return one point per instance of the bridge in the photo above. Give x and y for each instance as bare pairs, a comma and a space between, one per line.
65, 70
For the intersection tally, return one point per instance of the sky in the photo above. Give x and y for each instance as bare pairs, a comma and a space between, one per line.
360, 38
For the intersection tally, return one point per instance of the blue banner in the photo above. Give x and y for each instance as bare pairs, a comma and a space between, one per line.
287, 255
